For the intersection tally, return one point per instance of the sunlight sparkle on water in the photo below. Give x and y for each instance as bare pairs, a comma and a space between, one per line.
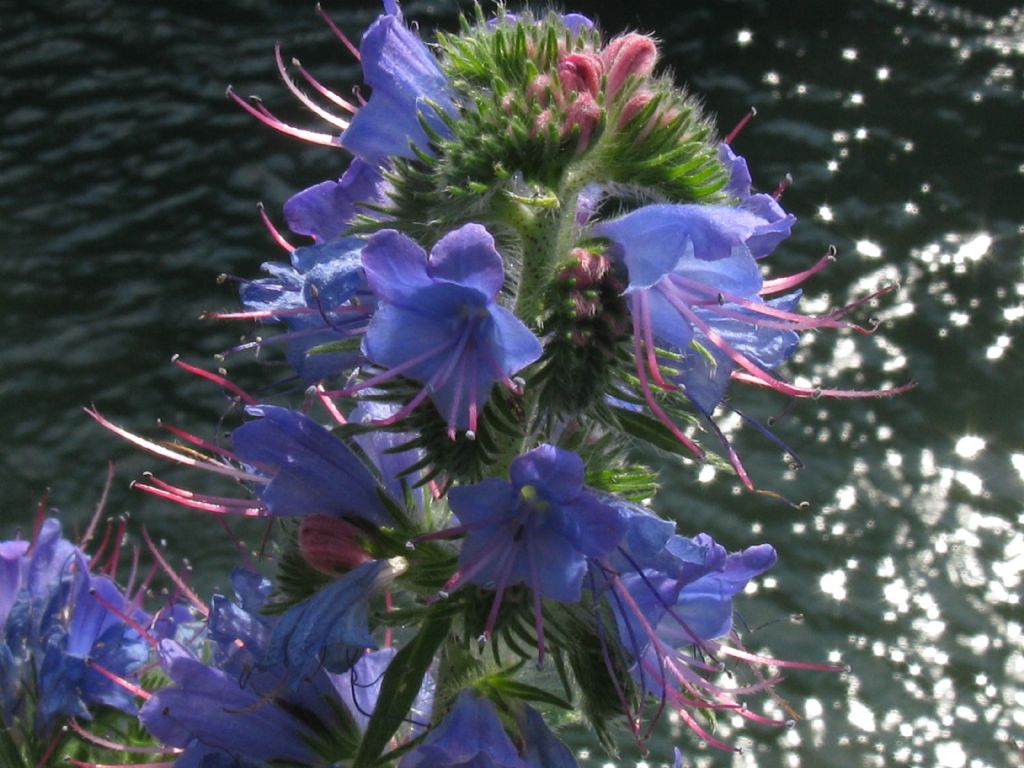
744, 37
969, 446
825, 213
869, 249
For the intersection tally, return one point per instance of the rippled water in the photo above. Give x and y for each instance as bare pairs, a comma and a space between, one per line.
127, 183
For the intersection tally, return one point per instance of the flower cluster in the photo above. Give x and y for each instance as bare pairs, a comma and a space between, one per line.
540, 254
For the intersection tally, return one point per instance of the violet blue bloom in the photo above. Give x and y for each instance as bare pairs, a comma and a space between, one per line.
439, 322
672, 600
540, 529
311, 471
777, 224
235, 713
329, 629
470, 736
696, 291
326, 210
408, 85
321, 298
59, 622
542, 748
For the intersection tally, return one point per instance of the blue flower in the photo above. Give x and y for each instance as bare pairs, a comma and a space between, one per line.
326, 210
776, 223
470, 736
235, 712
61, 625
439, 323
542, 749
311, 470
408, 85
540, 529
322, 298
329, 629
696, 293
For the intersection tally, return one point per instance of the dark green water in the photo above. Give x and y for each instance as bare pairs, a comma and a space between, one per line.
127, 183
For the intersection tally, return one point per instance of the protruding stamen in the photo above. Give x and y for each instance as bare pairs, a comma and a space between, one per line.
129, 686
274, 232
140, 750
337, 122
100, 506
780, 284
174, 576
143, 632
787, 180
324, 91
216, 379
264, 116
740, 126
337, 31
177, 456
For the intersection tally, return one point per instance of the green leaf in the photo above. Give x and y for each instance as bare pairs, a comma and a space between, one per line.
502, 687
400, 686
341, 345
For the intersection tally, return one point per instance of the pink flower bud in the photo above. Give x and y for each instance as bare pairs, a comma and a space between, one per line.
581, 72
330, 545
584, 112
539, 89
633, 107
627, 56
541, 123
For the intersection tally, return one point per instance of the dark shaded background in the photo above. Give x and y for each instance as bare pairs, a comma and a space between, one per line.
128, 182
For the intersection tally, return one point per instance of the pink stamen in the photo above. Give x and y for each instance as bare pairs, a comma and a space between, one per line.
134, 570
205, 506
397, 370
753, 658
115, 554
649, 346
102, 547
50, 749
337, 31
337, 122
740, 126
717, 299
90, 736
100, 506
115, 678
324, 91
216, 379
762, 378
780, 284
506, 561
274, 232
388, 607
152, 641
167, 453
787, 180
329, 405
174, 577
207, 445
262, 114
656, 409
228, 501
538, 612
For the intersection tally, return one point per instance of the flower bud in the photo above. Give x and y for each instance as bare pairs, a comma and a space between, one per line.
579, 72
330, 545
584, 112
539, 89
633, 107
628, 56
